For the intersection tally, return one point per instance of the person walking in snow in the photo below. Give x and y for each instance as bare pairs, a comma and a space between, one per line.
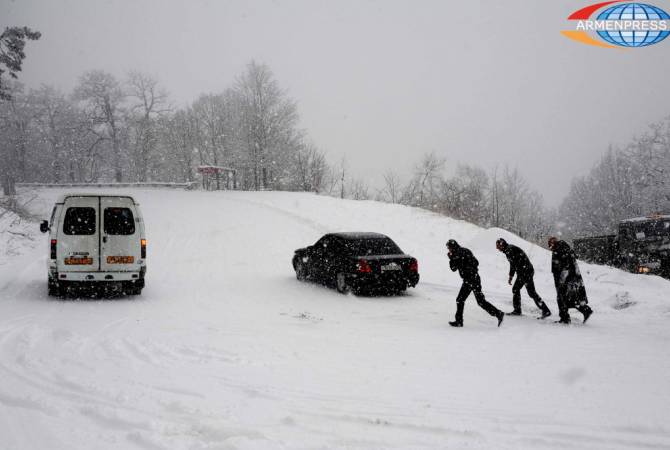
520, 265
570, 289
464, 261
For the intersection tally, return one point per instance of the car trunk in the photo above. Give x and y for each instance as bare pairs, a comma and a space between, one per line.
387, 264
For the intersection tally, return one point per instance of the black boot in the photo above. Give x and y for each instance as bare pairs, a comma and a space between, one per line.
587, 313
516, 312
545, 313
563, 321
458, 319
501, 316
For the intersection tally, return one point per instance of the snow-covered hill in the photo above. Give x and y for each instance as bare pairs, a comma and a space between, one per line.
226, 350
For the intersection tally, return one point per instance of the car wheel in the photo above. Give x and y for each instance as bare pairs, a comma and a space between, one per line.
341, 283
300, 271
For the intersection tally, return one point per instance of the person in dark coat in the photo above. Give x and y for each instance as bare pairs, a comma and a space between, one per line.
464, 261
570, 289
520, 265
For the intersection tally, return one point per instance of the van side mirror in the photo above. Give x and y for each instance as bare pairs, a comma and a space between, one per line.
44, 226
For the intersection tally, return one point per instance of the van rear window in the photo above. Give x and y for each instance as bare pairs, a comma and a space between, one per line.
119, 221
79, 221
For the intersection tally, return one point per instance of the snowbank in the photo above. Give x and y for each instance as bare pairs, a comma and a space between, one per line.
225, 349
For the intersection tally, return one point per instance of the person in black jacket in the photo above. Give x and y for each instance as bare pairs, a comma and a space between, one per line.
464, 261
520, 265
570, 289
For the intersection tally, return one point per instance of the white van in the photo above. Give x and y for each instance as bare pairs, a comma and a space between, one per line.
96, 241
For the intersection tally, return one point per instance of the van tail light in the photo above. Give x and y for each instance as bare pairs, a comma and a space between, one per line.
53, 248
414, 265
363, 266
143, 253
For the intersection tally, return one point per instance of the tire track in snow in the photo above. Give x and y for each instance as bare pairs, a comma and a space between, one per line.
321, 228
54, 388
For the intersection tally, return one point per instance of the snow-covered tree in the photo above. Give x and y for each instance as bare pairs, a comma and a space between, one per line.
16, 117
12, 44
102, 99
148, 102
268, 122
625, 183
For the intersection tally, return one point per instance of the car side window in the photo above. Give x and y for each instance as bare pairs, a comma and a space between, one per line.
79, 221
337, 247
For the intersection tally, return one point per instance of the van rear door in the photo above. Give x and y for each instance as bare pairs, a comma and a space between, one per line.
120, 248
77, 248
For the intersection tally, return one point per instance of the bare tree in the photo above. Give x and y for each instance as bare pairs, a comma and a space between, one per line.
268, 119
392, 187
57, 125
16, 117
466, 195
424, 188
102, 99
342, 174
310, 168
214, 119
179, 139
148, 103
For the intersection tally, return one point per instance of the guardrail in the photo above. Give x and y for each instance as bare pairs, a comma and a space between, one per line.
189, 185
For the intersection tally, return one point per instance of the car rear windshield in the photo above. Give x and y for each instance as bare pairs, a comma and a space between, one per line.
79, 221
372, 246
119, 221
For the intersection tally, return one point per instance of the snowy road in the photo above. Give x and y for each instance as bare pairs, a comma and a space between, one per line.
226, 350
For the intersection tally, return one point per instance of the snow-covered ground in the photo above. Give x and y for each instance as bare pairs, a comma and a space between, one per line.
226, 350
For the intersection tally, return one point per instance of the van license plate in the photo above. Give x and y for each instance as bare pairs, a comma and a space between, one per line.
78, 261
120, 259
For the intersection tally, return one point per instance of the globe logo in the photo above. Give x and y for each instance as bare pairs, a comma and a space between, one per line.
619, 24
633, 38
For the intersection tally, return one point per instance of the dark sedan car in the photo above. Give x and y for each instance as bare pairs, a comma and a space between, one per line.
358, 262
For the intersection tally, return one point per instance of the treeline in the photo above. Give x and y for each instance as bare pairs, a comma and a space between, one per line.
129, 130
627, 182
112, 130
497, 198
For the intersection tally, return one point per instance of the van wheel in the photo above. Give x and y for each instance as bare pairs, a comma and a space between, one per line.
131, 288
54, 289
341, 283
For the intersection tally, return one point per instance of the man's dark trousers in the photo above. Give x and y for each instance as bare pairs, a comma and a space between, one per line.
526, 280
473, 285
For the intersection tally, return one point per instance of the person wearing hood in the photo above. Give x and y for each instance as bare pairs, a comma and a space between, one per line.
570, 289
462, 260
520, 265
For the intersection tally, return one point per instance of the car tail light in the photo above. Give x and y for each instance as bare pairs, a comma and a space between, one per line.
363, 266
143, 253
414, 266
53, 248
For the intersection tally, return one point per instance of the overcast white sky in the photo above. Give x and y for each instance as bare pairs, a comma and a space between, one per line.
382, 82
